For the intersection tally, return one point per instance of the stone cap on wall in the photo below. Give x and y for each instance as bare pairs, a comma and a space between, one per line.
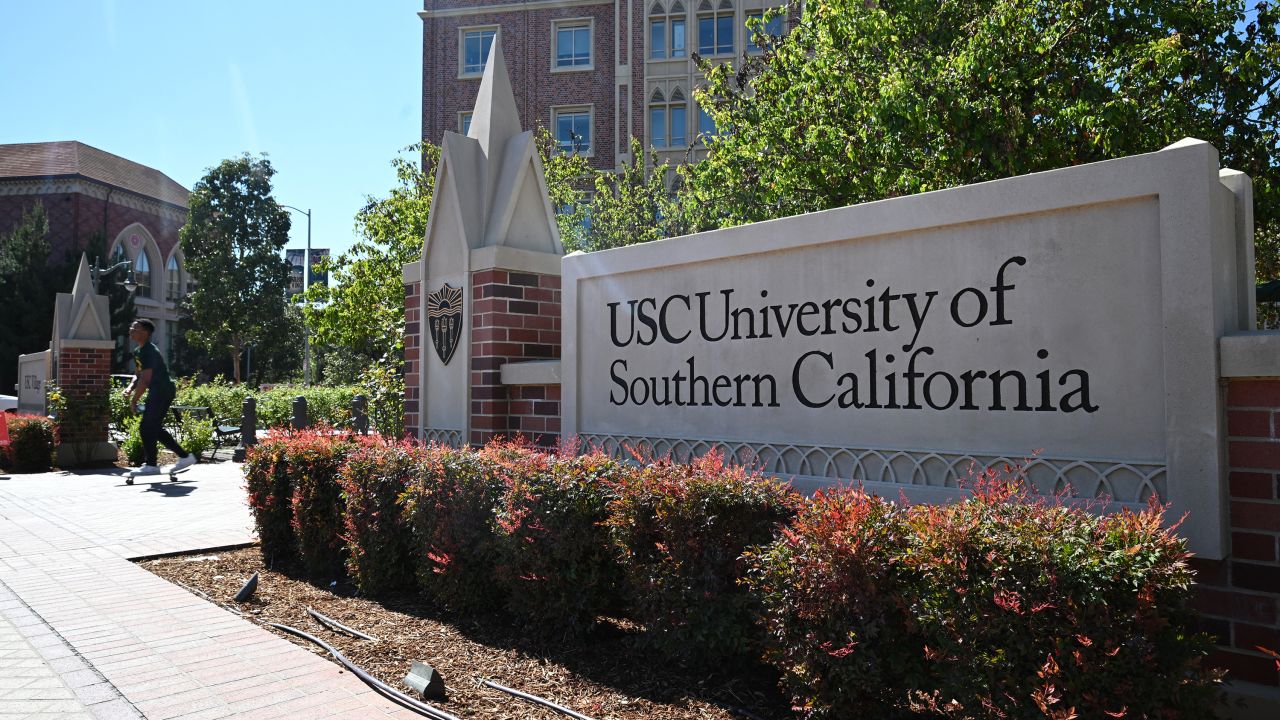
1250, 354
533, 372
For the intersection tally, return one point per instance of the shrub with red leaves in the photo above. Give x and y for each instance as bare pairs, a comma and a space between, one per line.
32, 440
1003, 605
450, 505
554, 554
291, 480
681, 531
380, 548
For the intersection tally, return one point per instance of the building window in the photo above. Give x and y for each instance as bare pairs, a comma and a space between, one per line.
573, 129
172, 279
573, 45
119, 255
142, 275
771, 27
715, 33
464, 122
668, 120
667, 33
475, 49
170, 338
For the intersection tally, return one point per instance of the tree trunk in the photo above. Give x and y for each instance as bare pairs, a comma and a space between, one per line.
235, 365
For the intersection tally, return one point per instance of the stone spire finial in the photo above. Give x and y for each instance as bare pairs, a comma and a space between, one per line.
494, 119
83, 284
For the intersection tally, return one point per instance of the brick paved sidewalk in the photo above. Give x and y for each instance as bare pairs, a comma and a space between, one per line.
103, 638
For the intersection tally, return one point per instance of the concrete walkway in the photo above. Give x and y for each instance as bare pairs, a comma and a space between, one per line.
85, 633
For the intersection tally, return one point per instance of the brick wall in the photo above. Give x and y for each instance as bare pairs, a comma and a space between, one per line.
1240, 596
534, 413
527, 45
83, 372
74, 218
412, 360
515, 317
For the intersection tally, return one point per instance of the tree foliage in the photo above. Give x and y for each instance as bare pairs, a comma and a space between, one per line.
232, 244
363, 306
865, 100
629, 206
27, 282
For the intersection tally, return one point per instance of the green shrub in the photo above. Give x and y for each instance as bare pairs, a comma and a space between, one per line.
32, 440
681, 531
132, 443
380, 547
554, 558
450, 506
195, 435
325, 405
996, 606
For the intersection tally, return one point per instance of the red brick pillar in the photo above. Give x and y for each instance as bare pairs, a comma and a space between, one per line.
83, 375
412, 360
1240, 595
515, 317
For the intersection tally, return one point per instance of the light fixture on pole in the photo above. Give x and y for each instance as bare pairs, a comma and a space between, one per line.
96, 273
306, 283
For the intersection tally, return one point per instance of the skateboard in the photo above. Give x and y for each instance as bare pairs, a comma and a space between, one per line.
173, 476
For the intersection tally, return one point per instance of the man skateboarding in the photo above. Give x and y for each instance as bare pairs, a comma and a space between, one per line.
151, 376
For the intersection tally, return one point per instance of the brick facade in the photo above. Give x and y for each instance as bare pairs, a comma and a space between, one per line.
1240, 595
534, 413
528, 45
83, 372
515, 317
412, 360
75, 217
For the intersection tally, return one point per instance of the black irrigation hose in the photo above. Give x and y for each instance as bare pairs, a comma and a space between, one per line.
535, 699
737, 710
335, 625
416, 705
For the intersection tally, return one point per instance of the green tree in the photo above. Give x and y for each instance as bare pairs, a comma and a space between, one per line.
865, 100
363, 307
629, 206
27, 281
232, 243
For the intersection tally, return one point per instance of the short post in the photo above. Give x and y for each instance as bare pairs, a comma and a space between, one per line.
360, 414
300, 413
248, 428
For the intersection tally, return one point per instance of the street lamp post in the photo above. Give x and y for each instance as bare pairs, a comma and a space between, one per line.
306, 283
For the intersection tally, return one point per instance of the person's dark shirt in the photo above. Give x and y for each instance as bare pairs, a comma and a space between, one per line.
148, 357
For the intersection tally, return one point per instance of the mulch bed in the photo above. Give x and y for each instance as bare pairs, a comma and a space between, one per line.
606, 675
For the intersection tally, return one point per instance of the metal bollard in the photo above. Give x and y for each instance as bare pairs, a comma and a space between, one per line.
300, 413
248, 428
360, 414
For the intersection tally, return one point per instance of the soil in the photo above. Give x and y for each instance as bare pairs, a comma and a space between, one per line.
605, 676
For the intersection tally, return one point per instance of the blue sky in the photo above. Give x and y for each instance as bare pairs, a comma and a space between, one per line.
329, 90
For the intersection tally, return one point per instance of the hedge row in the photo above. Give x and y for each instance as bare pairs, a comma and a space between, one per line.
1001, 605
325, 405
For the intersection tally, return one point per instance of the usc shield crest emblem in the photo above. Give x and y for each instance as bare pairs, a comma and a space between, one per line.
444, 317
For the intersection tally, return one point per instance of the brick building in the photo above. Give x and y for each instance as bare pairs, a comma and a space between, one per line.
593, 72
86, 191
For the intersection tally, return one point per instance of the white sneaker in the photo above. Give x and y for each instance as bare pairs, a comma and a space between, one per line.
145, 470
182, 464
